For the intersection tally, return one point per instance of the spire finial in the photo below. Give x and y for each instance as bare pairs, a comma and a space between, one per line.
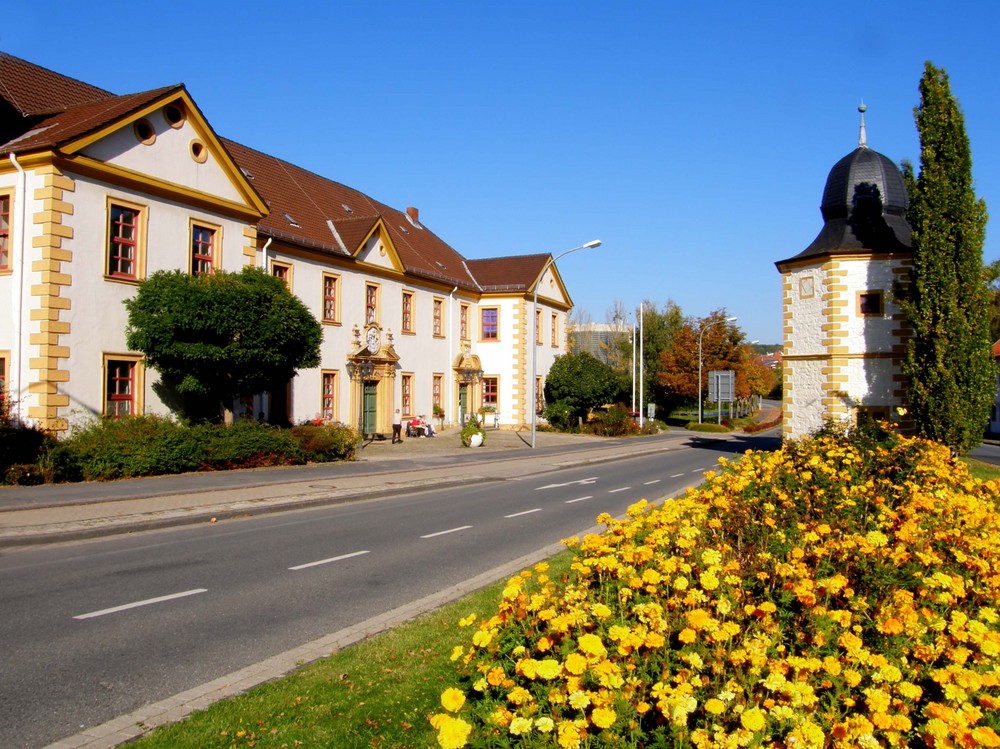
862, 138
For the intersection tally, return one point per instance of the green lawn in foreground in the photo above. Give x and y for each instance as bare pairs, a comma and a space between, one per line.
377, 694
983, 471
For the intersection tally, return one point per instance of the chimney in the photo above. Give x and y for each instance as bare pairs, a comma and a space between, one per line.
414, 215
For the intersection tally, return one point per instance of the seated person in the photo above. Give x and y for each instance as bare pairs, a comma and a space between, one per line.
415, 427
428, 427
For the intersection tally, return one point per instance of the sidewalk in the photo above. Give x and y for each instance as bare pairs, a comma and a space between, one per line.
65, 512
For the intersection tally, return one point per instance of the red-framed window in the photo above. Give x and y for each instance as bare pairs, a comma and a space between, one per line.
283, 272
464, 322
331, 288
436, 394
407, 394
438, 318
538, 327
491, 391
555, 330
202, 249
123, 244
120, 388
371, 304
407, 312
329, 405
4, 232
490, 327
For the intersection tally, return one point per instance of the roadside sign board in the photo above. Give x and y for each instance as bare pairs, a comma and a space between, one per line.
722, 386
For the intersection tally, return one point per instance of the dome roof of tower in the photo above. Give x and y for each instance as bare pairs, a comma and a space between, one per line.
863, 174
864, 208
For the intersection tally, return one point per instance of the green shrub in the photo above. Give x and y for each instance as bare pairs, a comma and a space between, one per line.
614, 422
19, 443
695, 426
24, 474
109, 449
471, 428
327, 442
248, 444
561, 415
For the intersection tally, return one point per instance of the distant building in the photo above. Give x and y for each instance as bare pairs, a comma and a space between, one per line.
595, 339
845, 335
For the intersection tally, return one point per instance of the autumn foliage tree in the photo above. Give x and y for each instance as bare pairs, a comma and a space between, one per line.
722, 348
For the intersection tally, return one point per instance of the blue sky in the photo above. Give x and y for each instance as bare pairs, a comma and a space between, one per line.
694, 139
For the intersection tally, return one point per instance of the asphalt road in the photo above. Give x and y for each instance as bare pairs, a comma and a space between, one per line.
94, 630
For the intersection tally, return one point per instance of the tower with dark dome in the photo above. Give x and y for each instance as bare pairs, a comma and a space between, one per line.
844, 333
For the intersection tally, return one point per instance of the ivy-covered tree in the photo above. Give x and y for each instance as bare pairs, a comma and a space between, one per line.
948, 362
215, 338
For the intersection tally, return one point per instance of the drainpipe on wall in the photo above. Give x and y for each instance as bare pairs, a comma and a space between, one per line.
22, 231
451, 350
264, 405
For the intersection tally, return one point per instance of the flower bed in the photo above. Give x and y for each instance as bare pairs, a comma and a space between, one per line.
835, 593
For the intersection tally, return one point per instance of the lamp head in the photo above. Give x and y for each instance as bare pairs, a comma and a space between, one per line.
592, 244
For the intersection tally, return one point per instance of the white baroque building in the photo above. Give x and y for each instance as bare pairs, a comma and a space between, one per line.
98, 191
844, 333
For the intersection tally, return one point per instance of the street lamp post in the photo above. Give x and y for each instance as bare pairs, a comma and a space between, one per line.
701, 333
532, 390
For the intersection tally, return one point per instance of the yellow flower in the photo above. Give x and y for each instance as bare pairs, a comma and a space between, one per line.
687, 636
569, 735
545, 725
452, 732
579, 700
753, 719
575, 663
548, 668
520, 726
603, 717
715, 706
591, 645
452, 699
467, 621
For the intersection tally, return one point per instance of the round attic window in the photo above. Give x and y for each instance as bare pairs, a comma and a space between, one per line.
174, 114
198, 151
144, 132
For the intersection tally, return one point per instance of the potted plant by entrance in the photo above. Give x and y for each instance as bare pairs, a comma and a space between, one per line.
473, 434
439, 415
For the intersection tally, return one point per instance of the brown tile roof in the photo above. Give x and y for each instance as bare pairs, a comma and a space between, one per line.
313, 203
515, 273
71, 123
32, 90
56, 109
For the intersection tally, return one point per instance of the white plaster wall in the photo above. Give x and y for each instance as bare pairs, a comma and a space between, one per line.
870, 382
804, 408
499, 359
98, 316
168, 157
868, 333
15, 287
806, 337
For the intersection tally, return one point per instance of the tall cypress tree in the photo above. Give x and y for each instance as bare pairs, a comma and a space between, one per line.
949, 364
